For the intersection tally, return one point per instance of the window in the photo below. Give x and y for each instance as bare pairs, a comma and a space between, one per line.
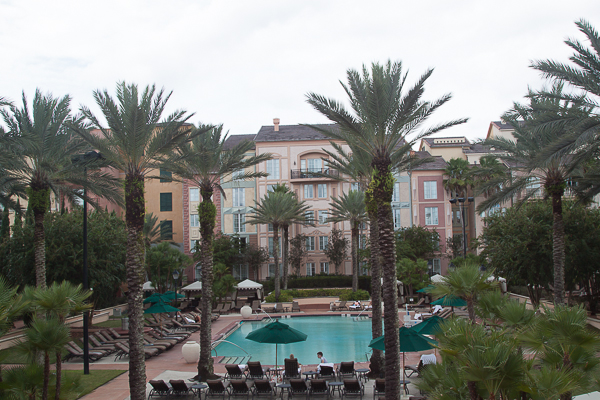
431, 215
325, 268
396, 194
273, 169
272, 270
430, 190
495, 209
166, 229
322, 190
270, 188
310, 269
238, 197
193, 244
271, 249
354, 186
165, 176
240, 271
194, 222
436, 266
166, 202
198, 272
311, 165
310, 216
310, 243
362, 241
322, 217
270, 227
194, 194
363, 268
397, 224
456, 217
323, 241
239, 223
237, 174
308, 191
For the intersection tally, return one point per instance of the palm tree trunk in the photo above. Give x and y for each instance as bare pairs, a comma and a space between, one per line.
286, 246
558, 247
207, 215
134, 217
381, 188
471, 309
276, 257
354, 234
46, 375
376, 325
58, 374
39, 244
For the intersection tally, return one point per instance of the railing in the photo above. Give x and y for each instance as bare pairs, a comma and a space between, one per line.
214, 348
263, 311
314, 173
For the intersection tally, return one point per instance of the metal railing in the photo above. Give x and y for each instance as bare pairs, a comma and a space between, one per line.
314, 173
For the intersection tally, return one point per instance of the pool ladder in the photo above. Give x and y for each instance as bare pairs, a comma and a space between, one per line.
232, 359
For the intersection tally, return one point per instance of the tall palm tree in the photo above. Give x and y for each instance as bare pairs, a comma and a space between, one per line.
277, 208
350, 207
382, 118
207, 163
490, 169
136, 141
42, 147
537, 175
459, 177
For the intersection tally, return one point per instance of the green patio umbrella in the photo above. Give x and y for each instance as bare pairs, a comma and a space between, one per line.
160, 307
155, 298
449, 301
426, 289
430, 326
171, 295
410, 341
277, 333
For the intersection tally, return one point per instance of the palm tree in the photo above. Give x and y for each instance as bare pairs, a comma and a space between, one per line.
535, 174
465, 282
350, 207
137, 142
277, 208
459, 177
383, 116
207, 163
489, 170
42, 147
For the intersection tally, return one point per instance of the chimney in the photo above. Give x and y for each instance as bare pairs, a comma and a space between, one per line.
276, 124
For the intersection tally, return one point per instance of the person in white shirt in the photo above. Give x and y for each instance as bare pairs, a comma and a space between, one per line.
321, 357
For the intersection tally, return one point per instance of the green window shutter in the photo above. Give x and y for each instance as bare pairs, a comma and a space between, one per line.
166, 202
165, 176
166, 230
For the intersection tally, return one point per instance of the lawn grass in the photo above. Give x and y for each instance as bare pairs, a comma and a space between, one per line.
88, 383
111, 323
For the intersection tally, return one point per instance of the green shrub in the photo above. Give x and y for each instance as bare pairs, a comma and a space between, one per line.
284, 297
343, 294
353, 296
321, 281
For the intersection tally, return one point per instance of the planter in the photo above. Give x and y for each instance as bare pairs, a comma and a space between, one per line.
191, 352
246, 312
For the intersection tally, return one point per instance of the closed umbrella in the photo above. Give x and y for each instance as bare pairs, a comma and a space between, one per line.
410, 341
159, 308
278, 333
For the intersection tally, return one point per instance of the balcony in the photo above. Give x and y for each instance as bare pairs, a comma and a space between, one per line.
314, 173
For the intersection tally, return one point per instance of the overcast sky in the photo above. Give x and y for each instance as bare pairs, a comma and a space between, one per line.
242, 63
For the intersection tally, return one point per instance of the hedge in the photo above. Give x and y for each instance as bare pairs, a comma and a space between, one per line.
343, 294
321, 282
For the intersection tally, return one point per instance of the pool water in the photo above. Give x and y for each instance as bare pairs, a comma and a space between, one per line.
339, 338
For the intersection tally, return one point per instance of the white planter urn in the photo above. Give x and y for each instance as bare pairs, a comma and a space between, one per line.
246, 312
191, 352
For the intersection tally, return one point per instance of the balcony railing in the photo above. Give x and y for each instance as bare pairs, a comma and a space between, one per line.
314, 173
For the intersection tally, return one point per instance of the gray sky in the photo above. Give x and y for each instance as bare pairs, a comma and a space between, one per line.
242, 63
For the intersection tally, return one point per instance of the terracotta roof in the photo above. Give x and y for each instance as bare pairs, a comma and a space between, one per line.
267, 133
437, 163
480, 148
234, 140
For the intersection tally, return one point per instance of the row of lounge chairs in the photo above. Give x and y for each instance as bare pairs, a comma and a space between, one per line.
254, 370
350, 306
279, 308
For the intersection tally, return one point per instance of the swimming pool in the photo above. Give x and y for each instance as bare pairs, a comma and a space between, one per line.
339, 338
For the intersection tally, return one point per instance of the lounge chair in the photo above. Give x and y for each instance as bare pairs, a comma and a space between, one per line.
420, 303
379, 388
256, 306
298, 387
234, 372
216, 388
239, 303
263, 388
256, 371
339, 307
346, 370
97, 346
271, 309
123, 350
79, 349
239, 388
226, 308
116, 334
295, 306
187, 327
326, 372
159, 389
180, 388
74, 353
353, 387
319, 387
218, 308
291, 369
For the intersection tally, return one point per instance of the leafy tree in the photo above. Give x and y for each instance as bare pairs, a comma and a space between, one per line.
413, 274
209, 164
416, 242
136, 141
337, 245
42, 162
350, 207
227, 250
382, 117
535, 176
5, 226
255, 256
161, 261
454, 245
298, 252
459, 176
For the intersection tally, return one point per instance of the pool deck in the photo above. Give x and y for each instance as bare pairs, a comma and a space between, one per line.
171, 364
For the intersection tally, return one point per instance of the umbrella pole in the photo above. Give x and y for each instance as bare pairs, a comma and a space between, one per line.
276, 370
